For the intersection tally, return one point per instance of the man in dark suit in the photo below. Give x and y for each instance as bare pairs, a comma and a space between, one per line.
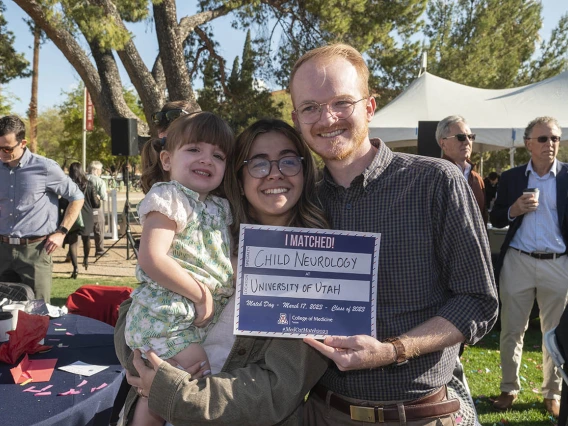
533, 261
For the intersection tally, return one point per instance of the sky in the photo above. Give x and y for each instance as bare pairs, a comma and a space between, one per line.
58, 76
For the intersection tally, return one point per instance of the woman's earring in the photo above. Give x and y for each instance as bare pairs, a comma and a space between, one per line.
242, 190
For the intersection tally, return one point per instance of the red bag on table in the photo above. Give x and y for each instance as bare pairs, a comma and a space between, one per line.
25, 338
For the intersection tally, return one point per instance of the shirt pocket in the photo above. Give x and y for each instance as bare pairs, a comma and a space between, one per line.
29, 192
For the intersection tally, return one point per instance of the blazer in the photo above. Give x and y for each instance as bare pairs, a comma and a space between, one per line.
511, 186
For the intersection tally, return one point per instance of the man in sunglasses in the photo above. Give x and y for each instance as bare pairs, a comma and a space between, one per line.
456, 140
29, 228
533, 261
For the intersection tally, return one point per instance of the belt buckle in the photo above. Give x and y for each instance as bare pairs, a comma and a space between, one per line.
365, 414
14, 240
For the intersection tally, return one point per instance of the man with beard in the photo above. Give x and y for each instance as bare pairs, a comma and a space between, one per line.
456, 140
429, 300
532, 263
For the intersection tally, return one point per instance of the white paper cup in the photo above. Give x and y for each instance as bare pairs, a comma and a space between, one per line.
5, 325
14, 308
532, 191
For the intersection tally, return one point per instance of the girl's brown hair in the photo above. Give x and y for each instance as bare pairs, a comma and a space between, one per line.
306, 214
192, 128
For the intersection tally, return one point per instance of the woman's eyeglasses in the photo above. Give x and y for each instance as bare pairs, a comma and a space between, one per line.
167, 116
544, 139
462, 137
310, 112
260, 167
9, 149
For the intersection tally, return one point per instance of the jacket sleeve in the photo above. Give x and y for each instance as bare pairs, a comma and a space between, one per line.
500, 212
263, 393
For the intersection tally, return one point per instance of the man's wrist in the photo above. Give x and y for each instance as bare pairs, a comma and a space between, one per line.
63, 230
400, 356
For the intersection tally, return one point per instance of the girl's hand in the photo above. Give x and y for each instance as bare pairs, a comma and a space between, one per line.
204, 309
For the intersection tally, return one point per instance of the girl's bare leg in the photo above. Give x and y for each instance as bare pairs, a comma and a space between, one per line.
143, 416
189, 356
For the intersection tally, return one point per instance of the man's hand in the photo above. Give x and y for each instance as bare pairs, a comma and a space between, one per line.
54, 241
205, 309
524, 204
355, 352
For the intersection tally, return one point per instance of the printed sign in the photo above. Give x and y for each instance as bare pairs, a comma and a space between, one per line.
297, 282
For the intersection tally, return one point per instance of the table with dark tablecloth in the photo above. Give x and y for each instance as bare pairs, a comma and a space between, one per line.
91, 341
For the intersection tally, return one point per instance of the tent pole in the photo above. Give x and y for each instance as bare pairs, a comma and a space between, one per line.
512, 157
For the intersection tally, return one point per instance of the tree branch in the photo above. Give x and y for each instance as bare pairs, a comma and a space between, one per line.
220, 60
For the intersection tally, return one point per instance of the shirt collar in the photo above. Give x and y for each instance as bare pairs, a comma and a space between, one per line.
380, 162
553, 169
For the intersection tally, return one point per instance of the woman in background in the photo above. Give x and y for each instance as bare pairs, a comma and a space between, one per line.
92, 201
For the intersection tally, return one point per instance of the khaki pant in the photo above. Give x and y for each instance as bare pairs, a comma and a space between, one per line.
31, 263
318, 413
524, 278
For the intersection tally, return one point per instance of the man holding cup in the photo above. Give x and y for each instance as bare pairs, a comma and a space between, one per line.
532, 200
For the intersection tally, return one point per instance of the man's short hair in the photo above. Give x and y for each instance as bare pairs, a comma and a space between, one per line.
444, 126
95, 165
341, 50
541, 120
493, 176
13, 124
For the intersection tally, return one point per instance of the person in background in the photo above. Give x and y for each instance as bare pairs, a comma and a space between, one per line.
94, 176
169, 112
29, 213
429, 299
84, 229
532, 263
456, 140
491, 183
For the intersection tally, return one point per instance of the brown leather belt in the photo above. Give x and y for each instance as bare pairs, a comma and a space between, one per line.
20, 241
433, 405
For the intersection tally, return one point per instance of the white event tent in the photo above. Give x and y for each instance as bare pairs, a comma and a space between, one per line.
498, 117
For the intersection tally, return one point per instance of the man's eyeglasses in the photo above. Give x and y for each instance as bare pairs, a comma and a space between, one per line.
544, 139
260, 167
9, 149
462, 137
310, 112
167, 116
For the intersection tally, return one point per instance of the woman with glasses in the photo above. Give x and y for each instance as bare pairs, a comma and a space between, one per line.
263, 380
169, 112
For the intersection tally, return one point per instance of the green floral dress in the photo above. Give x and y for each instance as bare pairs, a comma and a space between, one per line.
159, 318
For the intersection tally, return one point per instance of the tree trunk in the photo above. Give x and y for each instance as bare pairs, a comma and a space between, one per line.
32, 113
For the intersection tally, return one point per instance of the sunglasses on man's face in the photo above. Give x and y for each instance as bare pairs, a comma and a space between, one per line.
544, 139
9, 149
167, 116
462, 137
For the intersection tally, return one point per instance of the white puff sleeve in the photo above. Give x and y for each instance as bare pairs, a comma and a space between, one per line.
167, 199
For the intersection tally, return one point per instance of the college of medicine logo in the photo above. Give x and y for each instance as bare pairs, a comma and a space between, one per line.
283, 319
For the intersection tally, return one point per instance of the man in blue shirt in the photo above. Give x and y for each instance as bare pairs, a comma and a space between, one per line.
532, 262
29, 214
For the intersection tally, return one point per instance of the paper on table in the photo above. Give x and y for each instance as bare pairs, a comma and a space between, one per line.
39, 370
79, 367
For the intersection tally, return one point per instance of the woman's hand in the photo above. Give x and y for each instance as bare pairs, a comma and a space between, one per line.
205, 309
147, 374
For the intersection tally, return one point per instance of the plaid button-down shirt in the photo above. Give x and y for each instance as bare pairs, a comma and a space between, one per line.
434, 260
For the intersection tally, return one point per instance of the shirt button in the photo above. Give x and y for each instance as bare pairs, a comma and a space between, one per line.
348, 206
242, 352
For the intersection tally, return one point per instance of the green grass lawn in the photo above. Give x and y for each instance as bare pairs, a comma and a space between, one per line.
482, 367
63, 286
481, 364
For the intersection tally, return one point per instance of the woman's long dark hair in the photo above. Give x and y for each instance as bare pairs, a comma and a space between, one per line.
78, 176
